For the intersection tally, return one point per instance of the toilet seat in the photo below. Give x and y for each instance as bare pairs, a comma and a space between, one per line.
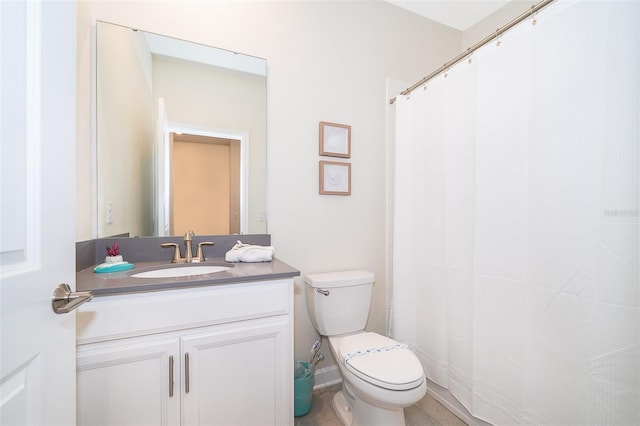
381, 361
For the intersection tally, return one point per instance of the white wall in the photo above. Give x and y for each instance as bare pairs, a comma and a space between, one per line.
326, 61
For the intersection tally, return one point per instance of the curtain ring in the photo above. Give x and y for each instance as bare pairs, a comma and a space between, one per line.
533, 16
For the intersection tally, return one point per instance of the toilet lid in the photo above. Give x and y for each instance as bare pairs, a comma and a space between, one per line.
381, 361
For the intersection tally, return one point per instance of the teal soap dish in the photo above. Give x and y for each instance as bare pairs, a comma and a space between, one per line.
113, 267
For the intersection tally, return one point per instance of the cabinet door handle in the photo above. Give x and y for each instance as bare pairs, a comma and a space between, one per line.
186, 372
170, 376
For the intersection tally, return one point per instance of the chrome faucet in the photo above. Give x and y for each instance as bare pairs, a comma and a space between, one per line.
188, 255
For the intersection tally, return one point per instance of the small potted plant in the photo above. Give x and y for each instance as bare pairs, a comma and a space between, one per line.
113, 254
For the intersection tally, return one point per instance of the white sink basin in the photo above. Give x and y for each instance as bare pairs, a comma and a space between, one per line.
181, 271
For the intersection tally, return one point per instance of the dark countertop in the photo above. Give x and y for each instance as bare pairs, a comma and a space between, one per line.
112, 283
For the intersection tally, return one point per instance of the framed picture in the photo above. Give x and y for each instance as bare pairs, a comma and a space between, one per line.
335, 140
335, 178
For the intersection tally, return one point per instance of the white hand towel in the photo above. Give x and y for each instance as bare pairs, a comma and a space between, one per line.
249, 253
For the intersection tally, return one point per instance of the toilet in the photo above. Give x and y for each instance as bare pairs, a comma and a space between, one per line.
380, 375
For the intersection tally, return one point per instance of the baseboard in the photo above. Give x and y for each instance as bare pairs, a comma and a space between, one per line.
444, 397
327, 376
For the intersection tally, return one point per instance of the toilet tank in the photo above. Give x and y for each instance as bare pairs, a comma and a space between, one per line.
339, 302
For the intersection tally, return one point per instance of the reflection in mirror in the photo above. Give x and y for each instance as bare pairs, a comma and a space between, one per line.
181, 136
206, 169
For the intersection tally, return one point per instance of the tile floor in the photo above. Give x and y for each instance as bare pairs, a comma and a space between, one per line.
427, 411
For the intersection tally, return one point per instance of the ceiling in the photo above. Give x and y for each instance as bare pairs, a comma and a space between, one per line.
459, 14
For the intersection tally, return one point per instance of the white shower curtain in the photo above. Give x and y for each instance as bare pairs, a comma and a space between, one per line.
516, 237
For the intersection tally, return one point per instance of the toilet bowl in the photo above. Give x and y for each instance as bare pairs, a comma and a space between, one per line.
380, 375
380, 378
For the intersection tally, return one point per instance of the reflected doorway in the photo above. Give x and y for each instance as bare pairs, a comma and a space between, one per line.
205, 184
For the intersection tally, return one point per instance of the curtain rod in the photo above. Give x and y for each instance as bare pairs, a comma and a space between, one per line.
529, 13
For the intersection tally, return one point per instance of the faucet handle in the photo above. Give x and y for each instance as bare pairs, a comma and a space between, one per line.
177, 258
200, 254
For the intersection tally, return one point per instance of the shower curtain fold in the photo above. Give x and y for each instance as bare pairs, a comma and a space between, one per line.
516, 237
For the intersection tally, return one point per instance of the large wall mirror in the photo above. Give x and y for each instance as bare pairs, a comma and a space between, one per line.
181, 136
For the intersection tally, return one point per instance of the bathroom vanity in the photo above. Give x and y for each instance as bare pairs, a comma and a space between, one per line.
215, 349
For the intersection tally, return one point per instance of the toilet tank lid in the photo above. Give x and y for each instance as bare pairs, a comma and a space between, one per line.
339, 279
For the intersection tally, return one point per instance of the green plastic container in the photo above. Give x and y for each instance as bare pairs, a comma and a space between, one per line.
302, 388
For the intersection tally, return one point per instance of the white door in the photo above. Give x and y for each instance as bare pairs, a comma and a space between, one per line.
37, 196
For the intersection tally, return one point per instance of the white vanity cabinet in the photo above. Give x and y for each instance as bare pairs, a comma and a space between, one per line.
220, 355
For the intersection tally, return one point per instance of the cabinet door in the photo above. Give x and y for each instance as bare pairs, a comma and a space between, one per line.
129, 383
238, 374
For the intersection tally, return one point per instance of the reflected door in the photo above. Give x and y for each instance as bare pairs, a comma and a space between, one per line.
205, 174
